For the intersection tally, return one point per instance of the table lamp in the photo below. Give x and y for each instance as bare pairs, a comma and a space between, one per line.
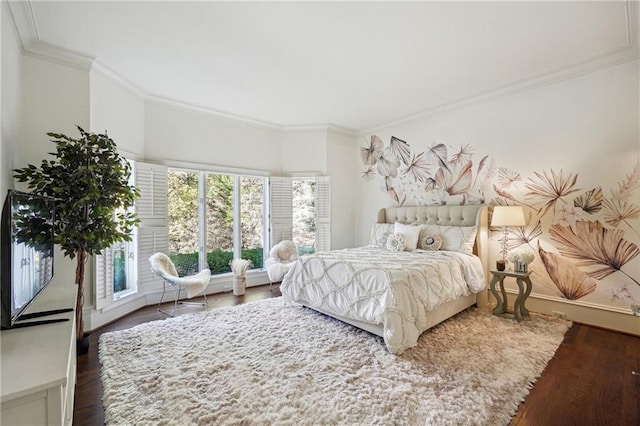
506, 216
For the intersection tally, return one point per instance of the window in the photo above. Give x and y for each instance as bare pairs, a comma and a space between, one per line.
213, 218
300, 211
304, 214
252, 229
182, 199
124, 269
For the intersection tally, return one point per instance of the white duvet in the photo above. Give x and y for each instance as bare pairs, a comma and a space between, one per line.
377, 286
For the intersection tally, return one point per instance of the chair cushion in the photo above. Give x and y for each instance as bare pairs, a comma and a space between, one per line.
277, 270
284, 251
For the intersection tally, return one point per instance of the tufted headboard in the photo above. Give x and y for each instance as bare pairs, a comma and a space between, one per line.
447, 215
455, 215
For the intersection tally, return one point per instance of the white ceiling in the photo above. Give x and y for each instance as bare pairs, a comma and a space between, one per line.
355, 65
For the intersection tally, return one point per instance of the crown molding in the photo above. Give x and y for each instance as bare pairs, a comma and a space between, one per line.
59, 55
30, 44
233, 119
319, 128
618, 57
628, 53
24, 22
108, 74
226, 117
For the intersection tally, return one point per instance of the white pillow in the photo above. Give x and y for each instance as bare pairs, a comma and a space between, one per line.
380, 233
395, 242
410, 234
454, 238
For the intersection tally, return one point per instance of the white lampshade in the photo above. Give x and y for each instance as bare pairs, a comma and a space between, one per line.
508, 216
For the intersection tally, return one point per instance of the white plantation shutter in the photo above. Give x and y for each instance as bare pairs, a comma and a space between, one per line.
323, 213
280, 206
153, 233
151, 207
151, 179
150, 240
104, 278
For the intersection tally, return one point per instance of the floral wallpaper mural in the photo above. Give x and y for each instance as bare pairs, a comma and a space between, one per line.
585, 240
439, 175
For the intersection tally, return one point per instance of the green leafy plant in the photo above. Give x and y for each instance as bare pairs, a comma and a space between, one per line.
89, 181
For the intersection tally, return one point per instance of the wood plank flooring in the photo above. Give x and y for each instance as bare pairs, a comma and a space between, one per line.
589, 381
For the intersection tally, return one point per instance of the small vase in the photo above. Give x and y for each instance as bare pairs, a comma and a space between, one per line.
500, 265
239, 285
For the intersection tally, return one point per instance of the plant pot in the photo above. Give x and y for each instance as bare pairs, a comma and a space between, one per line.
82, 345
239, 285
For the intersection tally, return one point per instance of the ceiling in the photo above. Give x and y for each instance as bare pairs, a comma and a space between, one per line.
356, 65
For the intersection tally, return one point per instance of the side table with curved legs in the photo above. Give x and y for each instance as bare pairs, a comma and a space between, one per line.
524, 290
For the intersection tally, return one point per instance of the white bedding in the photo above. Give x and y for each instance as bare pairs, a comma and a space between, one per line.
377, 286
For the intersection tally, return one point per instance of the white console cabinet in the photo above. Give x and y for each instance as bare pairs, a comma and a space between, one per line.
38, 363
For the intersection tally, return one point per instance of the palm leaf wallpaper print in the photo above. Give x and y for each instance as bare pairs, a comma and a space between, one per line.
600, 250
586, 238
551, 187
570, 280
428, 177
372, 153
590, 201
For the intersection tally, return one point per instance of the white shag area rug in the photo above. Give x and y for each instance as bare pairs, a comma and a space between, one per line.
273, 362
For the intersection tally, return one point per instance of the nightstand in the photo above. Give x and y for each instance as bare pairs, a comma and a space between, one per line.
524, 289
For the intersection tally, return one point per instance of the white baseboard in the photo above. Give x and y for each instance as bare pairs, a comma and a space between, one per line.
611, 320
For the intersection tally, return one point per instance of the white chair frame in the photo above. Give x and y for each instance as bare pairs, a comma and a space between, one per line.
177, 301
162, 266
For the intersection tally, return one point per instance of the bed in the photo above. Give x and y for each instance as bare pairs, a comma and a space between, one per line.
399, 294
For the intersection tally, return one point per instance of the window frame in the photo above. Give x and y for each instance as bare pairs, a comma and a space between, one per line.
236, 205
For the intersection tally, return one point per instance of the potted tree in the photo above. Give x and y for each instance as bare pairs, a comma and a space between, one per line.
89, 181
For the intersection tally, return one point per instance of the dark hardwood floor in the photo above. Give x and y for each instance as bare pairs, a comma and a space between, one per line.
589, 381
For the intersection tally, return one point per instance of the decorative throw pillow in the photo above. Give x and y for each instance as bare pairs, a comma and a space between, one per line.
429, 241
379, 234
454, 238
395, 242
410, 234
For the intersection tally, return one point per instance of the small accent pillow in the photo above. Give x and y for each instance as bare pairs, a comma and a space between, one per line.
430, 241
454, 238
379, 234
395, 242
410, 234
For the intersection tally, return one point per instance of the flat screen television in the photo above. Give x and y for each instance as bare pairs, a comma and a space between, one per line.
26, 257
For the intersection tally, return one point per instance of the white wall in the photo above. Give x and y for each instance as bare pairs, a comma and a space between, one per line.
55, 98
119, 110
303, 152
176, 134
10, 99
586, 126
340, 154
